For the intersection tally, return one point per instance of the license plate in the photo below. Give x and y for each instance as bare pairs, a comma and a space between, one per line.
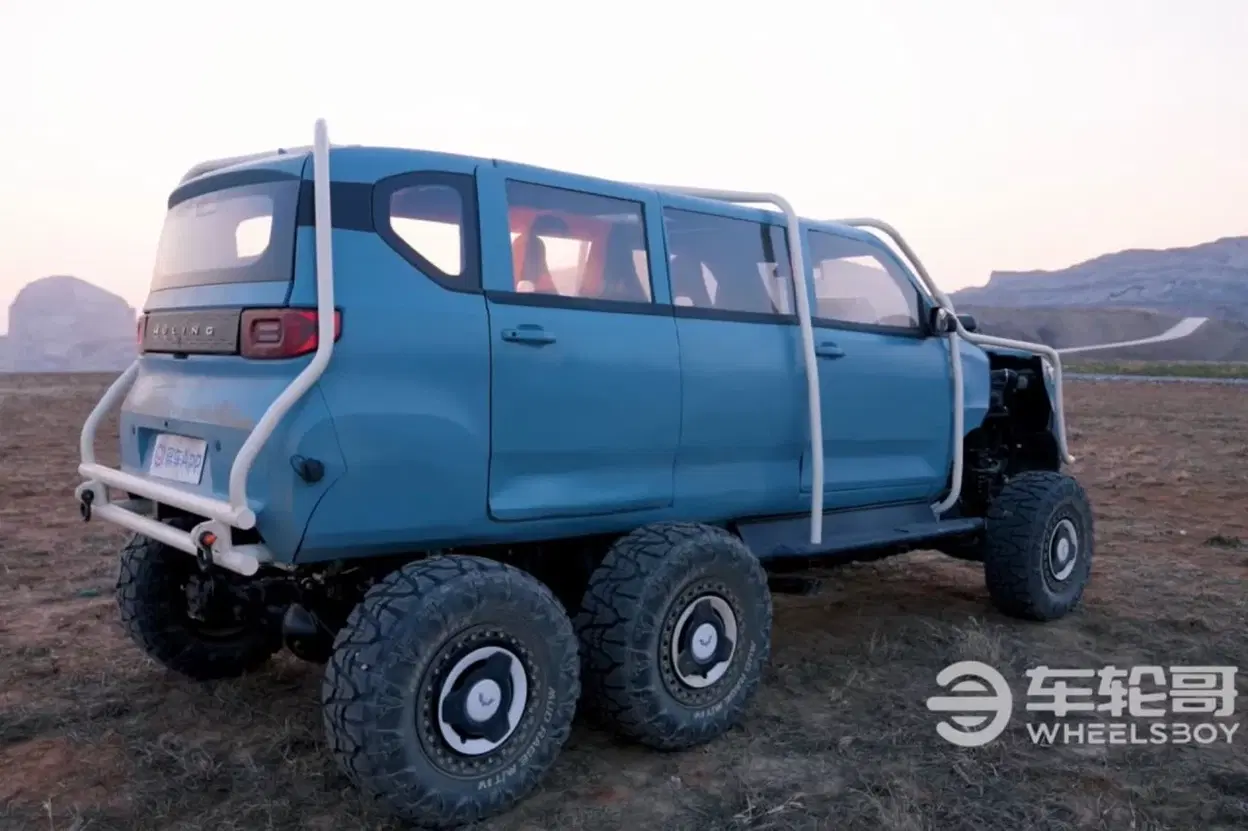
179, 458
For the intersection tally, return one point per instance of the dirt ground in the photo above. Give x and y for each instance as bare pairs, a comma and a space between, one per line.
94, 735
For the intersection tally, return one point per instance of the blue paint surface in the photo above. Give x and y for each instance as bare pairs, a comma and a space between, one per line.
459, 413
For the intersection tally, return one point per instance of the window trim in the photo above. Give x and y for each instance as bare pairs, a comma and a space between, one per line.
921, 330
509, 296
731, 315
468, 281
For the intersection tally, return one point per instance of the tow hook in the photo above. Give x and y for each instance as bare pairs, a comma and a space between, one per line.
84, 504
203, 549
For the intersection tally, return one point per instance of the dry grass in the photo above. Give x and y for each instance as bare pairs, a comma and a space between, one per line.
95, 736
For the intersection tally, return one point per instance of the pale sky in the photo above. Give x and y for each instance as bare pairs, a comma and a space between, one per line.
997, 134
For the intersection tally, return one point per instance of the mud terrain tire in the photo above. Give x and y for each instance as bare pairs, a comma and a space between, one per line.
656, 590
151, 596
407, 668
1039, 545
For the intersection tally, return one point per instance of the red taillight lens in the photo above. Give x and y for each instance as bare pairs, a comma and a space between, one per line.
281, 333
140, 328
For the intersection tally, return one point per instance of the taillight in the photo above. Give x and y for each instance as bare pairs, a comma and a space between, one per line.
140, 326
281, 333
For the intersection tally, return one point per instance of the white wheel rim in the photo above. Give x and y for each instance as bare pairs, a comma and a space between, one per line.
705, 641
483, 701
1063, 553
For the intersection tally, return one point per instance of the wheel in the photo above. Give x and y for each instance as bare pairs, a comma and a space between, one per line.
154, 588
675, 629
1038, 546
451, 689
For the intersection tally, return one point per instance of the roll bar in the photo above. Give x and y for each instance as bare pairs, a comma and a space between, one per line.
212, 539
796, 263
956, 332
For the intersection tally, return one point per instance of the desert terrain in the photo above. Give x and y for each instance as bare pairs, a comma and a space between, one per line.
93, 735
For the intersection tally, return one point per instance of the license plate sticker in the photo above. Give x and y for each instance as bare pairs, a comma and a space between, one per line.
179, 458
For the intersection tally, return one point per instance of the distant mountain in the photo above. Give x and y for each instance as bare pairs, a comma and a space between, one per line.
1128, 295
1207, 280
64, 324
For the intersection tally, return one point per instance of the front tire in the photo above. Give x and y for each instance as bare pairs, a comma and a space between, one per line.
1038, 547
675, 631
451, 689
152, 597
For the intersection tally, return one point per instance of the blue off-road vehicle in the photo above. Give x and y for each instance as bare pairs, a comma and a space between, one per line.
493, 442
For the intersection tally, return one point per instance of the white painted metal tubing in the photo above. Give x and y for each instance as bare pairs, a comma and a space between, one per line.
112, 396
797, 264
148, 527
960, 332
1055, 359
165, 494
243, 559
237, 512
325, 326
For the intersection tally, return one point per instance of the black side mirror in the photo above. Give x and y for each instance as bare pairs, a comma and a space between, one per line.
941, 323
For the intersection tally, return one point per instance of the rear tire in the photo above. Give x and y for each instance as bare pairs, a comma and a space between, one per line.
1039, 545
675, 631
451, 689
152, 599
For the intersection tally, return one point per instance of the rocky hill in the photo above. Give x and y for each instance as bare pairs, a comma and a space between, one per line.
64, 324
1207, 280
1123, 296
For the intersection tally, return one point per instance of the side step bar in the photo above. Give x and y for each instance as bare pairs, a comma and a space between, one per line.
852, 530
211, 540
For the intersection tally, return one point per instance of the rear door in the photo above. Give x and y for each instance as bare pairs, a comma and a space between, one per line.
885, 379
585, 371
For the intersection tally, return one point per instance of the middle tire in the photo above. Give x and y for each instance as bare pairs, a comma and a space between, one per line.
451, 689
675, 629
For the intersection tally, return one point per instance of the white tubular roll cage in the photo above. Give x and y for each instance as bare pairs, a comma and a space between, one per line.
948, 322
210, 540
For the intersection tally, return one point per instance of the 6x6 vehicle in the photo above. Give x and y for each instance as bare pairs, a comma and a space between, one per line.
493, 441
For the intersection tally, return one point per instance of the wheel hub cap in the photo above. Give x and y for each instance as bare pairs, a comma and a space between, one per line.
481, 700
1063, 550
704, 641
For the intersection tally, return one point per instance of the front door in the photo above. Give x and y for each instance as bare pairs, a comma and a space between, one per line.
887, 394
585, 369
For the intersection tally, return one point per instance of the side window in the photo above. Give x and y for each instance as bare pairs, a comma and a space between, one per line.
575, 244
728, 264
429, 219
856, 283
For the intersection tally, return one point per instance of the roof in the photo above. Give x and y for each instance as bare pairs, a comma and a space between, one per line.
288, 155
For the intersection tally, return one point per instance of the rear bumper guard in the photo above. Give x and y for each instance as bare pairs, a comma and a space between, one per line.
211, 540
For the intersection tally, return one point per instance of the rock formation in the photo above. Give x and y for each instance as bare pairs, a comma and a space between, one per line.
64, 324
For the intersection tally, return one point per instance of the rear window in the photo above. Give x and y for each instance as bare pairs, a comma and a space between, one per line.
239, 234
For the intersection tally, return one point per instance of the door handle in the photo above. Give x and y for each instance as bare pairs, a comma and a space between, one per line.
528, 333
828, 349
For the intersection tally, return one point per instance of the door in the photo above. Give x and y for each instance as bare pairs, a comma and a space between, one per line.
744, 409
885, 381
585, 370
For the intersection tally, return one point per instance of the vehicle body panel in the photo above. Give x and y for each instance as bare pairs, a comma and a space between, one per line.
437, 426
